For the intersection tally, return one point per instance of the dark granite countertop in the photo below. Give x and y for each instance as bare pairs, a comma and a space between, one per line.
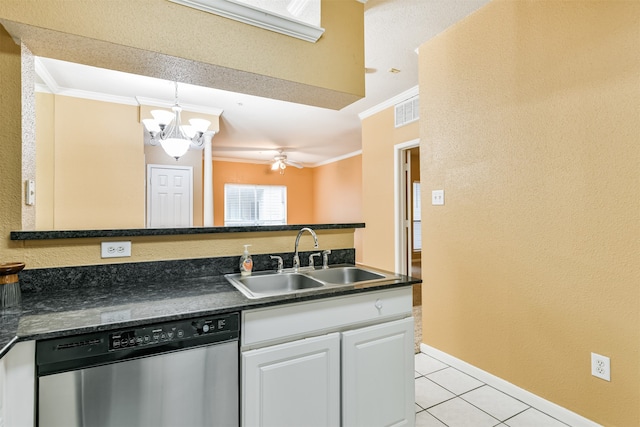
90, 300
136, 232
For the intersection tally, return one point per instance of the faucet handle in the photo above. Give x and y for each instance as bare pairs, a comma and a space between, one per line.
325, 258
280, 262
311, 258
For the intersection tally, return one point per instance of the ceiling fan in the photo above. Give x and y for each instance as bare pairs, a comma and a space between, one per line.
280, 162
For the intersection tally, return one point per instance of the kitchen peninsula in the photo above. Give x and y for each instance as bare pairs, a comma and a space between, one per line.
63, 302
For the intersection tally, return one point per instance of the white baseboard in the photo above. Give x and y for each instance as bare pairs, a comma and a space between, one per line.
550, 408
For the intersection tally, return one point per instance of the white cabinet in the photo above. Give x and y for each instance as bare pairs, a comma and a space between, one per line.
378, 375
17, 386
286, 383
344, 361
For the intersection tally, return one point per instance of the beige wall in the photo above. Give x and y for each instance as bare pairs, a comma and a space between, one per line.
379, 136
10, 140
99, 165
45, 159
200, 48
531, 124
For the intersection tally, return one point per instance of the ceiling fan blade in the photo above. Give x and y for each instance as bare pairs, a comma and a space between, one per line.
294, 164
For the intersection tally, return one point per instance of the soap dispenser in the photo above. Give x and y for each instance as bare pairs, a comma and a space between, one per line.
246, 262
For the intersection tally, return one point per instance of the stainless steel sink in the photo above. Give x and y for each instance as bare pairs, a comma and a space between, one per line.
262, 285
345, 275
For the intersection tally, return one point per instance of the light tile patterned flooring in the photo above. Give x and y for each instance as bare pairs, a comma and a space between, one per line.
447, 397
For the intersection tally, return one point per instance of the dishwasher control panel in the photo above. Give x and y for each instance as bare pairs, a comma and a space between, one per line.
182, 330
67, 353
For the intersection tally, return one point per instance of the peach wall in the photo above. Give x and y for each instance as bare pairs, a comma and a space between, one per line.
379, 136
337, 190
531, 125
299, 183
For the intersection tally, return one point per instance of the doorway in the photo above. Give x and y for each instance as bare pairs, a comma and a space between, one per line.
169, 196
408, 217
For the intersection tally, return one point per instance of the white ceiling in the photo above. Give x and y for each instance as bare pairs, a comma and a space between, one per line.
254, 128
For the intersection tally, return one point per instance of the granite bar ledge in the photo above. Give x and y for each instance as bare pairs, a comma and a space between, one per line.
134, 232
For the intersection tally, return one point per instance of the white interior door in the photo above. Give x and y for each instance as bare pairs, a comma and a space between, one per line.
169, 196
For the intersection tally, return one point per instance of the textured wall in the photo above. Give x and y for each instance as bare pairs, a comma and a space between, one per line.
531, 125
162, 39
11, 143
379, 136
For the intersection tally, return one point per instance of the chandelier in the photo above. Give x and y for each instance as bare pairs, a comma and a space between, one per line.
175, 138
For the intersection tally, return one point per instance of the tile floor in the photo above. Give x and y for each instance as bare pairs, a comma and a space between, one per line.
447, 397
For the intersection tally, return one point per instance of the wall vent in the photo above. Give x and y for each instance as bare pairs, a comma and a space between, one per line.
407, 111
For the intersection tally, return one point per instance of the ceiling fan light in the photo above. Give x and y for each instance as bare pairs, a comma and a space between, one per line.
175, 147
163, 117
200, 125
275, 166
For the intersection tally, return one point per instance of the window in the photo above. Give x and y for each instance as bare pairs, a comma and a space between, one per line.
255, 204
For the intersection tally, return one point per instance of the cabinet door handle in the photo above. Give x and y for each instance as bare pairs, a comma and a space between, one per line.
379, 304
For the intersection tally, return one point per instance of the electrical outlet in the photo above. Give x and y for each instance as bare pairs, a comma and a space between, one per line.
115, 249
437, 197
600, 366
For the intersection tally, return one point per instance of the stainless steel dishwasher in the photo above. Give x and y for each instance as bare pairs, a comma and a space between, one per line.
175, 374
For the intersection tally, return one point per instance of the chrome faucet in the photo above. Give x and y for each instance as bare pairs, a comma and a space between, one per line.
280, 263
311, 259
296, 258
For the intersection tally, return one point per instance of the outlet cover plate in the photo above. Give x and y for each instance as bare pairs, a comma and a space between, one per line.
601, 366
115, 249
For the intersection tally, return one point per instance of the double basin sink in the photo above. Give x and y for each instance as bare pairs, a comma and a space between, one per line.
265, 284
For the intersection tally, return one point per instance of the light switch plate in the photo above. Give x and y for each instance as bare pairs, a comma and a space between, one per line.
30, 192
437, 197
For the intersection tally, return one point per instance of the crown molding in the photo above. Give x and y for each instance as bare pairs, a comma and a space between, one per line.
337, 159
96, 96
39, 87
257, 17
152, 102
47, 78
410, 93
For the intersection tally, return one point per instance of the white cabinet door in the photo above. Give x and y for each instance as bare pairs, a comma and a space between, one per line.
293, 384
377, 375
17, 396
